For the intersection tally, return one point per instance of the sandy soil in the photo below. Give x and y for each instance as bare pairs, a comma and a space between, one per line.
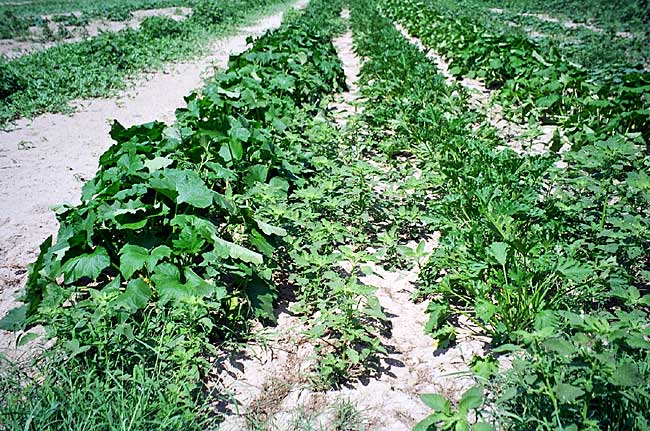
45, 161
267, 384
14, 48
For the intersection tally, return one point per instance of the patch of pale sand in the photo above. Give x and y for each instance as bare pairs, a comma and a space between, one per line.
14, 48
44, 162
16, 3
175, 13
343, 106
520, 137
256, 383
414, 365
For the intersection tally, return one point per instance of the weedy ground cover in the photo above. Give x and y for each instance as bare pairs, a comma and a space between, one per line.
115, 10
536, 256
189, 232
592, 44
625, 15
48, 80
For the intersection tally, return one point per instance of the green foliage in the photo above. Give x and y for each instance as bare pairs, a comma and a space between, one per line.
588, 372
535, 81
12, 26
206, 12
116, 10
75, 398
523, 242
159, 26
10, 81
72, 19
446, 418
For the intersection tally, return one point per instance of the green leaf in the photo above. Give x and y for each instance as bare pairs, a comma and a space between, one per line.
539, 58
157, 163
427, 424
236, 149
26, 338
560, 346
74, 348
301, 57
270, 229
157, 254
192, 189
15, 319
437, 402
567, 393
237, 251
87, 265
261, 295
34, 289
132, 259
499, 250
644, 300
437, 315
373, 308
574, 270
547, 101
626, 374
353, 355
134, 226
256, 174
136, 296
484, 367
485, 310
221, 171
197, 286
238, 132
507, 348
482, 426
184, 186
471, 399
260, 243
169, 288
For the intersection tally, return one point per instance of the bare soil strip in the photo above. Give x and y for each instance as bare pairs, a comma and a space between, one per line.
269, 384
45, 161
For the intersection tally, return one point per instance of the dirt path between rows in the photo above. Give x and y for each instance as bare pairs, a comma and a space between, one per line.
45, 161
268, 383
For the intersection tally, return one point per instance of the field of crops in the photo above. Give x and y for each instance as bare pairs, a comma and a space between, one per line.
382, 215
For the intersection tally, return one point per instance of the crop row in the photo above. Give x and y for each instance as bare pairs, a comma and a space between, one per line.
552, 262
